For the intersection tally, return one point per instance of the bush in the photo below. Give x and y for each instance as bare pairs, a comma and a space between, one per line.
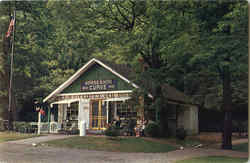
2, 128
74, 132
181, 133
112, 131
128, 130
152, 130
239, 126
23, 127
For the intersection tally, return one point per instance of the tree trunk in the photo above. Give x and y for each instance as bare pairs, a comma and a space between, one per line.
161, 112
227, 108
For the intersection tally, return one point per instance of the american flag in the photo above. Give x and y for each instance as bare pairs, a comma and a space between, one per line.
42, 112
12, 22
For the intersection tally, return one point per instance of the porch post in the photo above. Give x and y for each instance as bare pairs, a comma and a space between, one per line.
39, 123
115, 113
107, 110
48, 119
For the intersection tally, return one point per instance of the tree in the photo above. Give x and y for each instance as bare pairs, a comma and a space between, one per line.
224, 42
49, 47
158, 32
4, 64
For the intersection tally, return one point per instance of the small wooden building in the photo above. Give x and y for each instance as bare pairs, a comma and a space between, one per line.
97, 94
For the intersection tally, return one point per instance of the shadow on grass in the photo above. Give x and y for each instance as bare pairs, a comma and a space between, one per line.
241, 147
214, 159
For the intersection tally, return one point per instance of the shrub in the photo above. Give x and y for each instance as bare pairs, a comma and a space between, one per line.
181, 133
112, 131
23, 127
239, 126
152, 130
128, 130
2, 128
131, 124
74, 132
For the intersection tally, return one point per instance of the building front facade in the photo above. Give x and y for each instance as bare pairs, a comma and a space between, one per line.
97, 95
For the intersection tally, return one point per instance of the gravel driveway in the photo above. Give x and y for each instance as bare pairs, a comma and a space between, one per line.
23, 153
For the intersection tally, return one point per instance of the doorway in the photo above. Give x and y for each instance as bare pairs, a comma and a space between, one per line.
98, 114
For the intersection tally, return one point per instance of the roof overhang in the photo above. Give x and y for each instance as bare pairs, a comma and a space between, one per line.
68, 102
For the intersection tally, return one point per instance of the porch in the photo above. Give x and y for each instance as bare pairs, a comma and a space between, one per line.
65, 116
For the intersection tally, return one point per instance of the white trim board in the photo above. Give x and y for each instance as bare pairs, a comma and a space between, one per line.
68, 102
93, 93
80, 72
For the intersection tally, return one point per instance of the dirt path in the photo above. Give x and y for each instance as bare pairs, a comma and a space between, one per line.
240, 141
22, 151
234, 142
199, 152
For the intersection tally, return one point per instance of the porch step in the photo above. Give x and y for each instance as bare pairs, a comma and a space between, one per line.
96, 132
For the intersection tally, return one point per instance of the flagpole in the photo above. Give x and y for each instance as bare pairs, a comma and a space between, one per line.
11, 75
248, 81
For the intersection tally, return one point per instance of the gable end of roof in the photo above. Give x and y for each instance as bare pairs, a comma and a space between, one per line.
78, 73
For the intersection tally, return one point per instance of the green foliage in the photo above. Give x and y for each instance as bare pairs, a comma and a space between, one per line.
112, 131
49, 47
4, 60
152, 130
181, 133
2, 125
224, 44
129, 129
241, 147
24, 127
188, 45
240, 126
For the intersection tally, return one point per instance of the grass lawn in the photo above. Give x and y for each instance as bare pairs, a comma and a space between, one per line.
131, 144
241, 147
214, 159
10, 136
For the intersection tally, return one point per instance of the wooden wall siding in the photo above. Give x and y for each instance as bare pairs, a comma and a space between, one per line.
96, 72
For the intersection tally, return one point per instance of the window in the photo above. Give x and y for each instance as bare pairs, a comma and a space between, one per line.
125, 111
72, 112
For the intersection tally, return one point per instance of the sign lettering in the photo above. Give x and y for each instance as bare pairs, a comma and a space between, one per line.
96, 96
98, 85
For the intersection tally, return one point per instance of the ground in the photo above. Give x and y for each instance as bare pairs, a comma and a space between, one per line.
22, 151
214, 159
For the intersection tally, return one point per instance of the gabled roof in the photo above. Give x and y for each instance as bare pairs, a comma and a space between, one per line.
125, 73
80, 72
175, 95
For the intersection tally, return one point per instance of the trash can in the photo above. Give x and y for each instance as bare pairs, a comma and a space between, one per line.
83, 128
